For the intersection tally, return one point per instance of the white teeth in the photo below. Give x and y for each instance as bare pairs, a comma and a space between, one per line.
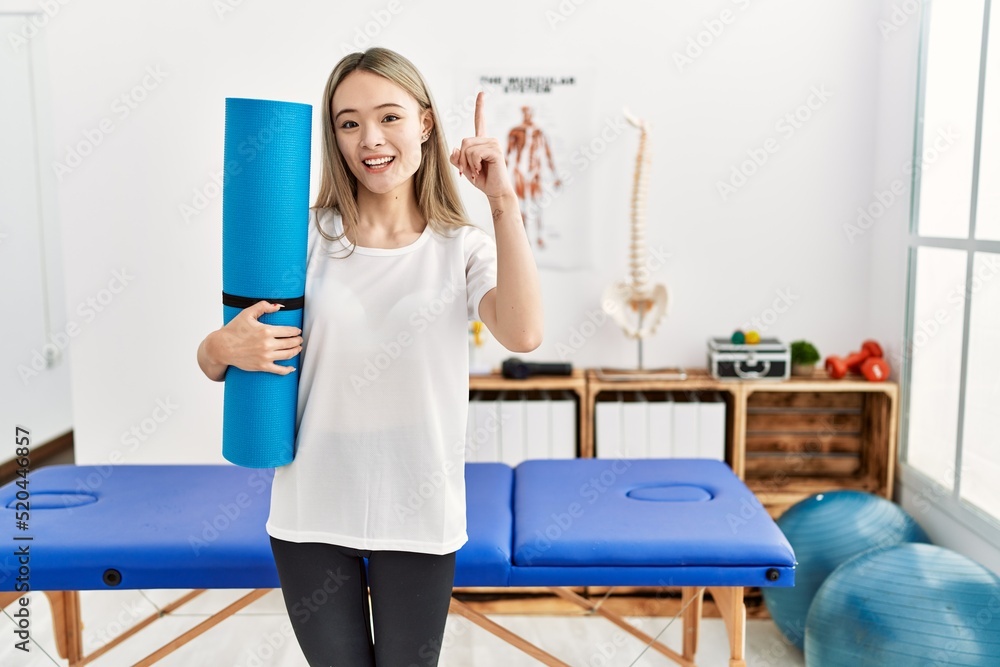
375, 163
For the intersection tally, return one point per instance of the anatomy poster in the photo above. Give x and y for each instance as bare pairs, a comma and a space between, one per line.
541, 122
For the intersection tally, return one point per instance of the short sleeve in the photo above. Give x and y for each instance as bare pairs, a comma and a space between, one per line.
480, 268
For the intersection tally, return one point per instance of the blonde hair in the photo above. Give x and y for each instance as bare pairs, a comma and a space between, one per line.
434, 185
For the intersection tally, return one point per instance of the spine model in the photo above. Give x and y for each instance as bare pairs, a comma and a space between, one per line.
646, 301
640, 183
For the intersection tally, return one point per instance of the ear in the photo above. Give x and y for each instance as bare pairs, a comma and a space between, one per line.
426, 121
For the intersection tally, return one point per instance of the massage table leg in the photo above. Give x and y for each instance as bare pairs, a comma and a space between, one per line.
202, 627
67, 624
691, 603
503, 633
566, 594
141, 624
729, 600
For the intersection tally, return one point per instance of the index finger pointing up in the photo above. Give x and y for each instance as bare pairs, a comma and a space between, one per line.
480, 121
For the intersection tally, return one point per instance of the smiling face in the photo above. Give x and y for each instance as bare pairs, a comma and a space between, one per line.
374, 120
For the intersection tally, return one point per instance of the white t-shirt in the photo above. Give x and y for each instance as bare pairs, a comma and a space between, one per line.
384, 392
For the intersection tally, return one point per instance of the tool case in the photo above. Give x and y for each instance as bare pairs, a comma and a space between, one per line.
769, 359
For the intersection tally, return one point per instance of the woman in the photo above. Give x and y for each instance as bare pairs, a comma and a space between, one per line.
395, 272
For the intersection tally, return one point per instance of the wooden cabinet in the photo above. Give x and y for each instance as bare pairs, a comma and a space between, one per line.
786, 439
815, 434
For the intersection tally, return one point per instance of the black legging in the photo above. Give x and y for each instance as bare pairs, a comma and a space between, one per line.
325, 590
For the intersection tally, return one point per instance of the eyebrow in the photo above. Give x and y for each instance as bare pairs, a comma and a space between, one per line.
381, 106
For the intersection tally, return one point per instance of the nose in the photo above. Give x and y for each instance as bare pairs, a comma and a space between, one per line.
371, 135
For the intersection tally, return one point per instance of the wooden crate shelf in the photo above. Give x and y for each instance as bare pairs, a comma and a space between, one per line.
576, 384
815, 434
787, 439
698, 380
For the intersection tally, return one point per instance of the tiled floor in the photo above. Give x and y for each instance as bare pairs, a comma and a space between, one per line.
261, 635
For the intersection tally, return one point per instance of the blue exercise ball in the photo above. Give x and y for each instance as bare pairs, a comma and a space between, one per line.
826, 530
911, 604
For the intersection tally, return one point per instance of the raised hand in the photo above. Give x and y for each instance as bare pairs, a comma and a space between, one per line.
480, 159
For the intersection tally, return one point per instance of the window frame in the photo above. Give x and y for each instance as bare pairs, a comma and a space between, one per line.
949, 501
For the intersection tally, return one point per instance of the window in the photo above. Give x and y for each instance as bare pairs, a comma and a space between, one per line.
951, 378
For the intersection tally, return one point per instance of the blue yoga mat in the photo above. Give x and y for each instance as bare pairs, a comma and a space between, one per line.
265, 217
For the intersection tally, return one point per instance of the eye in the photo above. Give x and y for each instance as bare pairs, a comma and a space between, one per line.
344, 124
392, 116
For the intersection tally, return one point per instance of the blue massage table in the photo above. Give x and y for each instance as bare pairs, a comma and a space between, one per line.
681, 523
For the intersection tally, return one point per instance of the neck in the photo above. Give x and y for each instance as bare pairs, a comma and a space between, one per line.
394, 212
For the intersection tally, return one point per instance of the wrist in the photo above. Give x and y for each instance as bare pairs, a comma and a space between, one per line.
504, 198
210, 365
211, 348
502, 205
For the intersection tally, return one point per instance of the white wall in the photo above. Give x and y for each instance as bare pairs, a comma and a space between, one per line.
887, 236
35, 383
781, 233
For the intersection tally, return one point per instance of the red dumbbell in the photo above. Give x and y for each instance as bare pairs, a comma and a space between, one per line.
869, 349
875, 369
838, 367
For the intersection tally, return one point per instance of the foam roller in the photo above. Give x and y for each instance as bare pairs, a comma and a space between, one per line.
265, 218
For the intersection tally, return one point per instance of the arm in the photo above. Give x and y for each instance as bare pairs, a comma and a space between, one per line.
512, 311
548, 154
210, 366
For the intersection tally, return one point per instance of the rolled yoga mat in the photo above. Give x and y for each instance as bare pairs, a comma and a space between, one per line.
265, 217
